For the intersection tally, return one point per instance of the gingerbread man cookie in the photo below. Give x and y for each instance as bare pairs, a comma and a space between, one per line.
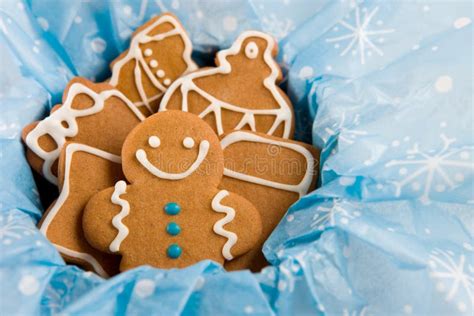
240, 93
160, 52
272, 173
93, 114
172, 213
83, 171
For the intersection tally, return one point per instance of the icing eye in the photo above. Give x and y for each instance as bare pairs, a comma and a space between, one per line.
188, 142
154, 141
251, 50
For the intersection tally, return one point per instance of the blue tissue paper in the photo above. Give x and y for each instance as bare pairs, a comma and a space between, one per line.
383, 87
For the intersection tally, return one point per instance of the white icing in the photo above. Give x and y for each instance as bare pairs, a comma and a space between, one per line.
53, 124
251, 50
219, 225
241, 136
160, 73
70, 150
154, 141
142, 158
186, 84
167, 81
120, 188
148, 52
188, 142
135, 53
153, 63
84, 256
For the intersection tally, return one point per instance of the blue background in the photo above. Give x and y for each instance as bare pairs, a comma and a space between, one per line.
385, 88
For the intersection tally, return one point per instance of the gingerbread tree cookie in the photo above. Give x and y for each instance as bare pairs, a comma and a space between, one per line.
159, 52
240, 93
172, 213
93, 114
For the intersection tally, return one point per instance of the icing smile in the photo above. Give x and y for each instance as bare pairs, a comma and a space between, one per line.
154, 142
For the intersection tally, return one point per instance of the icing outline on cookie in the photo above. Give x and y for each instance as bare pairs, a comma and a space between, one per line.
134, 52
120, 188
52, 125
186, 84
141, 156
219, 225
301, 188
70, 150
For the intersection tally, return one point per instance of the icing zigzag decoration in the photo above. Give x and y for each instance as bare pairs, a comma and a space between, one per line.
240, 93
93, 114
160, 52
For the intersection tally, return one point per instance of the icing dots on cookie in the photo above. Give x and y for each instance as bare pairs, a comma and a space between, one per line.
172, 208
160, 73
173, 229
148, 52
174, 251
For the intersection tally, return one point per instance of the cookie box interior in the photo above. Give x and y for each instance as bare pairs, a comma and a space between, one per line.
388, 231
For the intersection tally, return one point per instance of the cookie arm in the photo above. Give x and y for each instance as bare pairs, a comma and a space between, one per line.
100, 214
242, 220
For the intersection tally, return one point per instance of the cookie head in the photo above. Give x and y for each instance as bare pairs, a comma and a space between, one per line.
252, 52
173, 146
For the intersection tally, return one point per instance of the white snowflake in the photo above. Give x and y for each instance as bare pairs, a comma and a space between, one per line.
359, 38
164, 8
58, 296
326, 216
278, 26
455, 277
11, 229
433, 165
288, 277
346, 134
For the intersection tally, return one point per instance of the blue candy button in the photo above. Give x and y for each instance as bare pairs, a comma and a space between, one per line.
172, 208
174, 251
173, 229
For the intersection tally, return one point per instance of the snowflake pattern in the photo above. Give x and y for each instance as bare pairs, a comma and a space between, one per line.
11, 229
326, 216
455, 277
58, 296
359, 36
346, 134
361, 312
434, 165
288, 276
279, 27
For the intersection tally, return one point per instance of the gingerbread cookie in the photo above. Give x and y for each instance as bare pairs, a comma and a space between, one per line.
172, 213
160, 52
240, 93
83, 171
270, 172
93, 114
